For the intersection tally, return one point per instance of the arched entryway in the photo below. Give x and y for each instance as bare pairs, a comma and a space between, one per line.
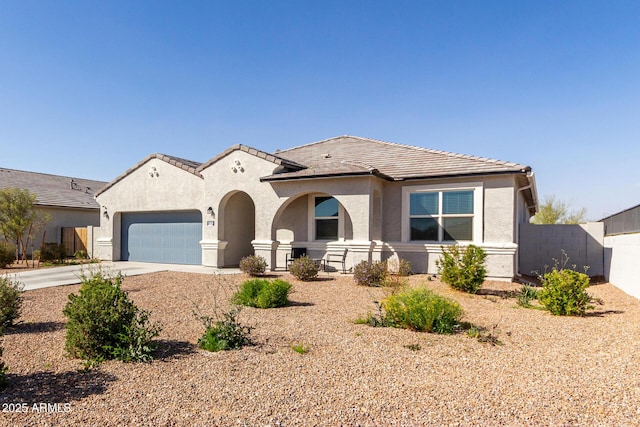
237, 226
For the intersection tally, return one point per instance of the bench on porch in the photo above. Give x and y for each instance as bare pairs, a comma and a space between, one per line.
295, 254
336, 258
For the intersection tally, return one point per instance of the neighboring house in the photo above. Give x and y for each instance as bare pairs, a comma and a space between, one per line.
69, 202
376, 199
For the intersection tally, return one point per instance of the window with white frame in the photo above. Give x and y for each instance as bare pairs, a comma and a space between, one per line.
442, 214
326, 218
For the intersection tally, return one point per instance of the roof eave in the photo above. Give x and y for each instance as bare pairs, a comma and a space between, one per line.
465, 175
49, 205
325, 176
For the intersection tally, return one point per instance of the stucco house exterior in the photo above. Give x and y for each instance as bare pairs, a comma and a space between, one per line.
68, 201
376, 199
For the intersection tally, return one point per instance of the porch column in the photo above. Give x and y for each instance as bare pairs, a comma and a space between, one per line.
213, 253
362, 251
104, 248
267, 249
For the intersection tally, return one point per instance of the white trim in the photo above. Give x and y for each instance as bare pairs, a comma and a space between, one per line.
265, 245
213, 244
104, 241
436, 248
478, 207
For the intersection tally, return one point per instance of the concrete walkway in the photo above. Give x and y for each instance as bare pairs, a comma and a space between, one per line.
69, 275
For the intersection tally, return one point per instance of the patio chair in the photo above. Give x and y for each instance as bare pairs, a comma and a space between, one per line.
337, 258
295, 254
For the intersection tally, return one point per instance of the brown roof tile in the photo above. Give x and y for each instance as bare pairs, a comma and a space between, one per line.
288, 164
391, 160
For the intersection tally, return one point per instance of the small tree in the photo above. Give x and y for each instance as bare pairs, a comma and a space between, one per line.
554, 211
19, 219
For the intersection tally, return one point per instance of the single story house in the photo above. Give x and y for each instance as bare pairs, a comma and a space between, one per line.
375, 199
69, 202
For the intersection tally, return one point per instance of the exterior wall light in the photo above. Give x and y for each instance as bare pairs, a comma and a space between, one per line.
210, 210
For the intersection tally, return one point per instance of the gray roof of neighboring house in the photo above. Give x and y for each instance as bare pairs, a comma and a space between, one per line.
352, 155
53, 190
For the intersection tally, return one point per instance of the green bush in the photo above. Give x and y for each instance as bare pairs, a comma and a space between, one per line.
263, 293
226, 334
462, 267
304, 268
53, 252
368, 273
564, 292
7, 254
527, 294
103, 323
254, 265
10, 301
421, 310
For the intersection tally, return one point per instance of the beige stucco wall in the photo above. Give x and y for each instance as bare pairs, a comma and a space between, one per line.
499, 209
239, 228
61, 218
498, 225
167, 188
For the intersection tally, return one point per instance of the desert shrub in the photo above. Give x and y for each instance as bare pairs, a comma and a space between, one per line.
253, 265
53, 252
103, 323
369, 273
404, 268
398, 266
564, 292
7, 254
10, 301
527, 294
304, 268
462, 267
225, 334
263, 293
421, 310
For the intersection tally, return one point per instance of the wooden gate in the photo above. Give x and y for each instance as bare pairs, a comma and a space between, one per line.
74, 239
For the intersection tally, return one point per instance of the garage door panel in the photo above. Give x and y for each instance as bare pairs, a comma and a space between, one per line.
167, 237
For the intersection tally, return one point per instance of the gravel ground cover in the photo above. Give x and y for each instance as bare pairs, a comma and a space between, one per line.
548, 371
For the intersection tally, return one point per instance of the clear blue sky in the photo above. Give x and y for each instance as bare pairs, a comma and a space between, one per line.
89, 88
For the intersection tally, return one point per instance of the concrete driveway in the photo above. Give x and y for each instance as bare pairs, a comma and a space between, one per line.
69, 275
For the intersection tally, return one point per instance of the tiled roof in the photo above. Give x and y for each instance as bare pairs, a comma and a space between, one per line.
184, 164
288, 164
53, 190
394, 161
